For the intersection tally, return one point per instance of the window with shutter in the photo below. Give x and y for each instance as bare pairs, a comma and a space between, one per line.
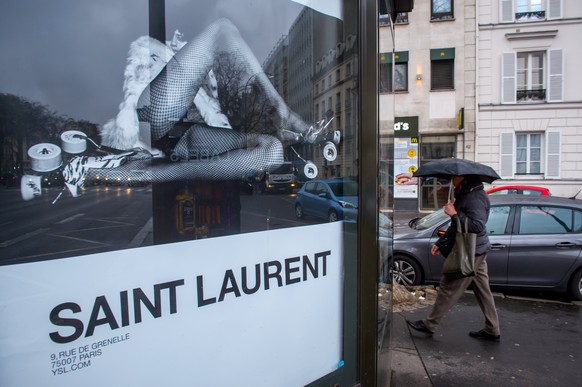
553, 154
526, 77
506, 155
442, 69
442, 74
529, 10
400, 72
530, 76
556, 76
508, 87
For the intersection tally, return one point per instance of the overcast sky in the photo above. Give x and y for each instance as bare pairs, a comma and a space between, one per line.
70, 54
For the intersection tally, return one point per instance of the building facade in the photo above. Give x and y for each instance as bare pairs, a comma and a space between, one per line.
335, 96
434, 82
299, 60
492, 81
529, 96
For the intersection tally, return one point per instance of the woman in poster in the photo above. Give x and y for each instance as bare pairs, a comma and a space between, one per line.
185, 80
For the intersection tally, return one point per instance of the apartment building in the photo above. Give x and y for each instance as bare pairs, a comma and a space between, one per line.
319, 82
335, 95
433, 93
529, 117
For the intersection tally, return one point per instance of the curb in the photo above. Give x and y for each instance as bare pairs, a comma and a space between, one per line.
407, 367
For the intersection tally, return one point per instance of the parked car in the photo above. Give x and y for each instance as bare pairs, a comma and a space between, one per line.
519, 189
330, 199
536, 244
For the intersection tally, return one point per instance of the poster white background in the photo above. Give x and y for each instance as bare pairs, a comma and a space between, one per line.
293, 330
405, 161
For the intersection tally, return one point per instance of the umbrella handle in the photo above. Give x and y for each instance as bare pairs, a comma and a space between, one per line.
451, 190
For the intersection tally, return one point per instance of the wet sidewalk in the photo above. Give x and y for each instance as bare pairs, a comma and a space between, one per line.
541, 345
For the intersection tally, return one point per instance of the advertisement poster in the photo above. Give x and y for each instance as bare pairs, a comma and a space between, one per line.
217, 312
405, 186
405, 157
137, 245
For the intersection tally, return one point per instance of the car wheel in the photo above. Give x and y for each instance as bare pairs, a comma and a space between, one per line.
298, 211
407, 272
576, 285
332, 216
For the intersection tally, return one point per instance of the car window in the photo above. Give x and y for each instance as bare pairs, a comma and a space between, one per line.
346, 188
504, 192
532, 192
577, 221
321, 188
310, 187
430, 220
497, 221
548, 220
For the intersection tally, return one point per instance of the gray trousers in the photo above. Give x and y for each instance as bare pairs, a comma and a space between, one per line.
450, 291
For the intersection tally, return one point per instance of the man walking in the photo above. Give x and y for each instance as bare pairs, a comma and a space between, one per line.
472, 205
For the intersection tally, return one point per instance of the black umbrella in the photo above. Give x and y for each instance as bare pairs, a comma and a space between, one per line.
447, 168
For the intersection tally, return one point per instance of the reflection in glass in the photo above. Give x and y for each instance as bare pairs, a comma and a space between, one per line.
440, 6
385, 289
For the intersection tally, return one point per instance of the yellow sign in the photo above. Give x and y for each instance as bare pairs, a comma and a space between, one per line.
412, 169
411, 153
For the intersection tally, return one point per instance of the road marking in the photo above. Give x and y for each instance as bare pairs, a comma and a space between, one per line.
78, 239
58, 254
70, 218
142, 234
97, 228
122, 220
21, 238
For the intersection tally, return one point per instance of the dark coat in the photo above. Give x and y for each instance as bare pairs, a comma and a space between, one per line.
471, 203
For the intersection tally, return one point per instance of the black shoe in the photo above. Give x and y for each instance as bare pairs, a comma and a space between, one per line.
482, 335
419, 326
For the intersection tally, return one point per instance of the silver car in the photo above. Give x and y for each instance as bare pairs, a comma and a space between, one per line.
536, 244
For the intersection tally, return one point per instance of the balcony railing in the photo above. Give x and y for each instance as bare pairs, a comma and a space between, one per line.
531, 95
531, 16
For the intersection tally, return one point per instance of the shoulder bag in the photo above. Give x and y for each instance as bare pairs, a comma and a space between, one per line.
460, 262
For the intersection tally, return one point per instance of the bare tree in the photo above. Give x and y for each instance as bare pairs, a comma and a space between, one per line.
23, 122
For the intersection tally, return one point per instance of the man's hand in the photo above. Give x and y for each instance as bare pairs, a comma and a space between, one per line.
434, 250
450, 209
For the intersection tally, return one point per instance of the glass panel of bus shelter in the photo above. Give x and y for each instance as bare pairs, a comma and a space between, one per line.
386, 195
182, 181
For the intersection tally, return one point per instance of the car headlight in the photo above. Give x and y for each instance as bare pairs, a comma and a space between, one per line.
345, 204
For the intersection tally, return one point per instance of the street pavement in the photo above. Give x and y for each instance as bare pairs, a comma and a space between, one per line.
541, 344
